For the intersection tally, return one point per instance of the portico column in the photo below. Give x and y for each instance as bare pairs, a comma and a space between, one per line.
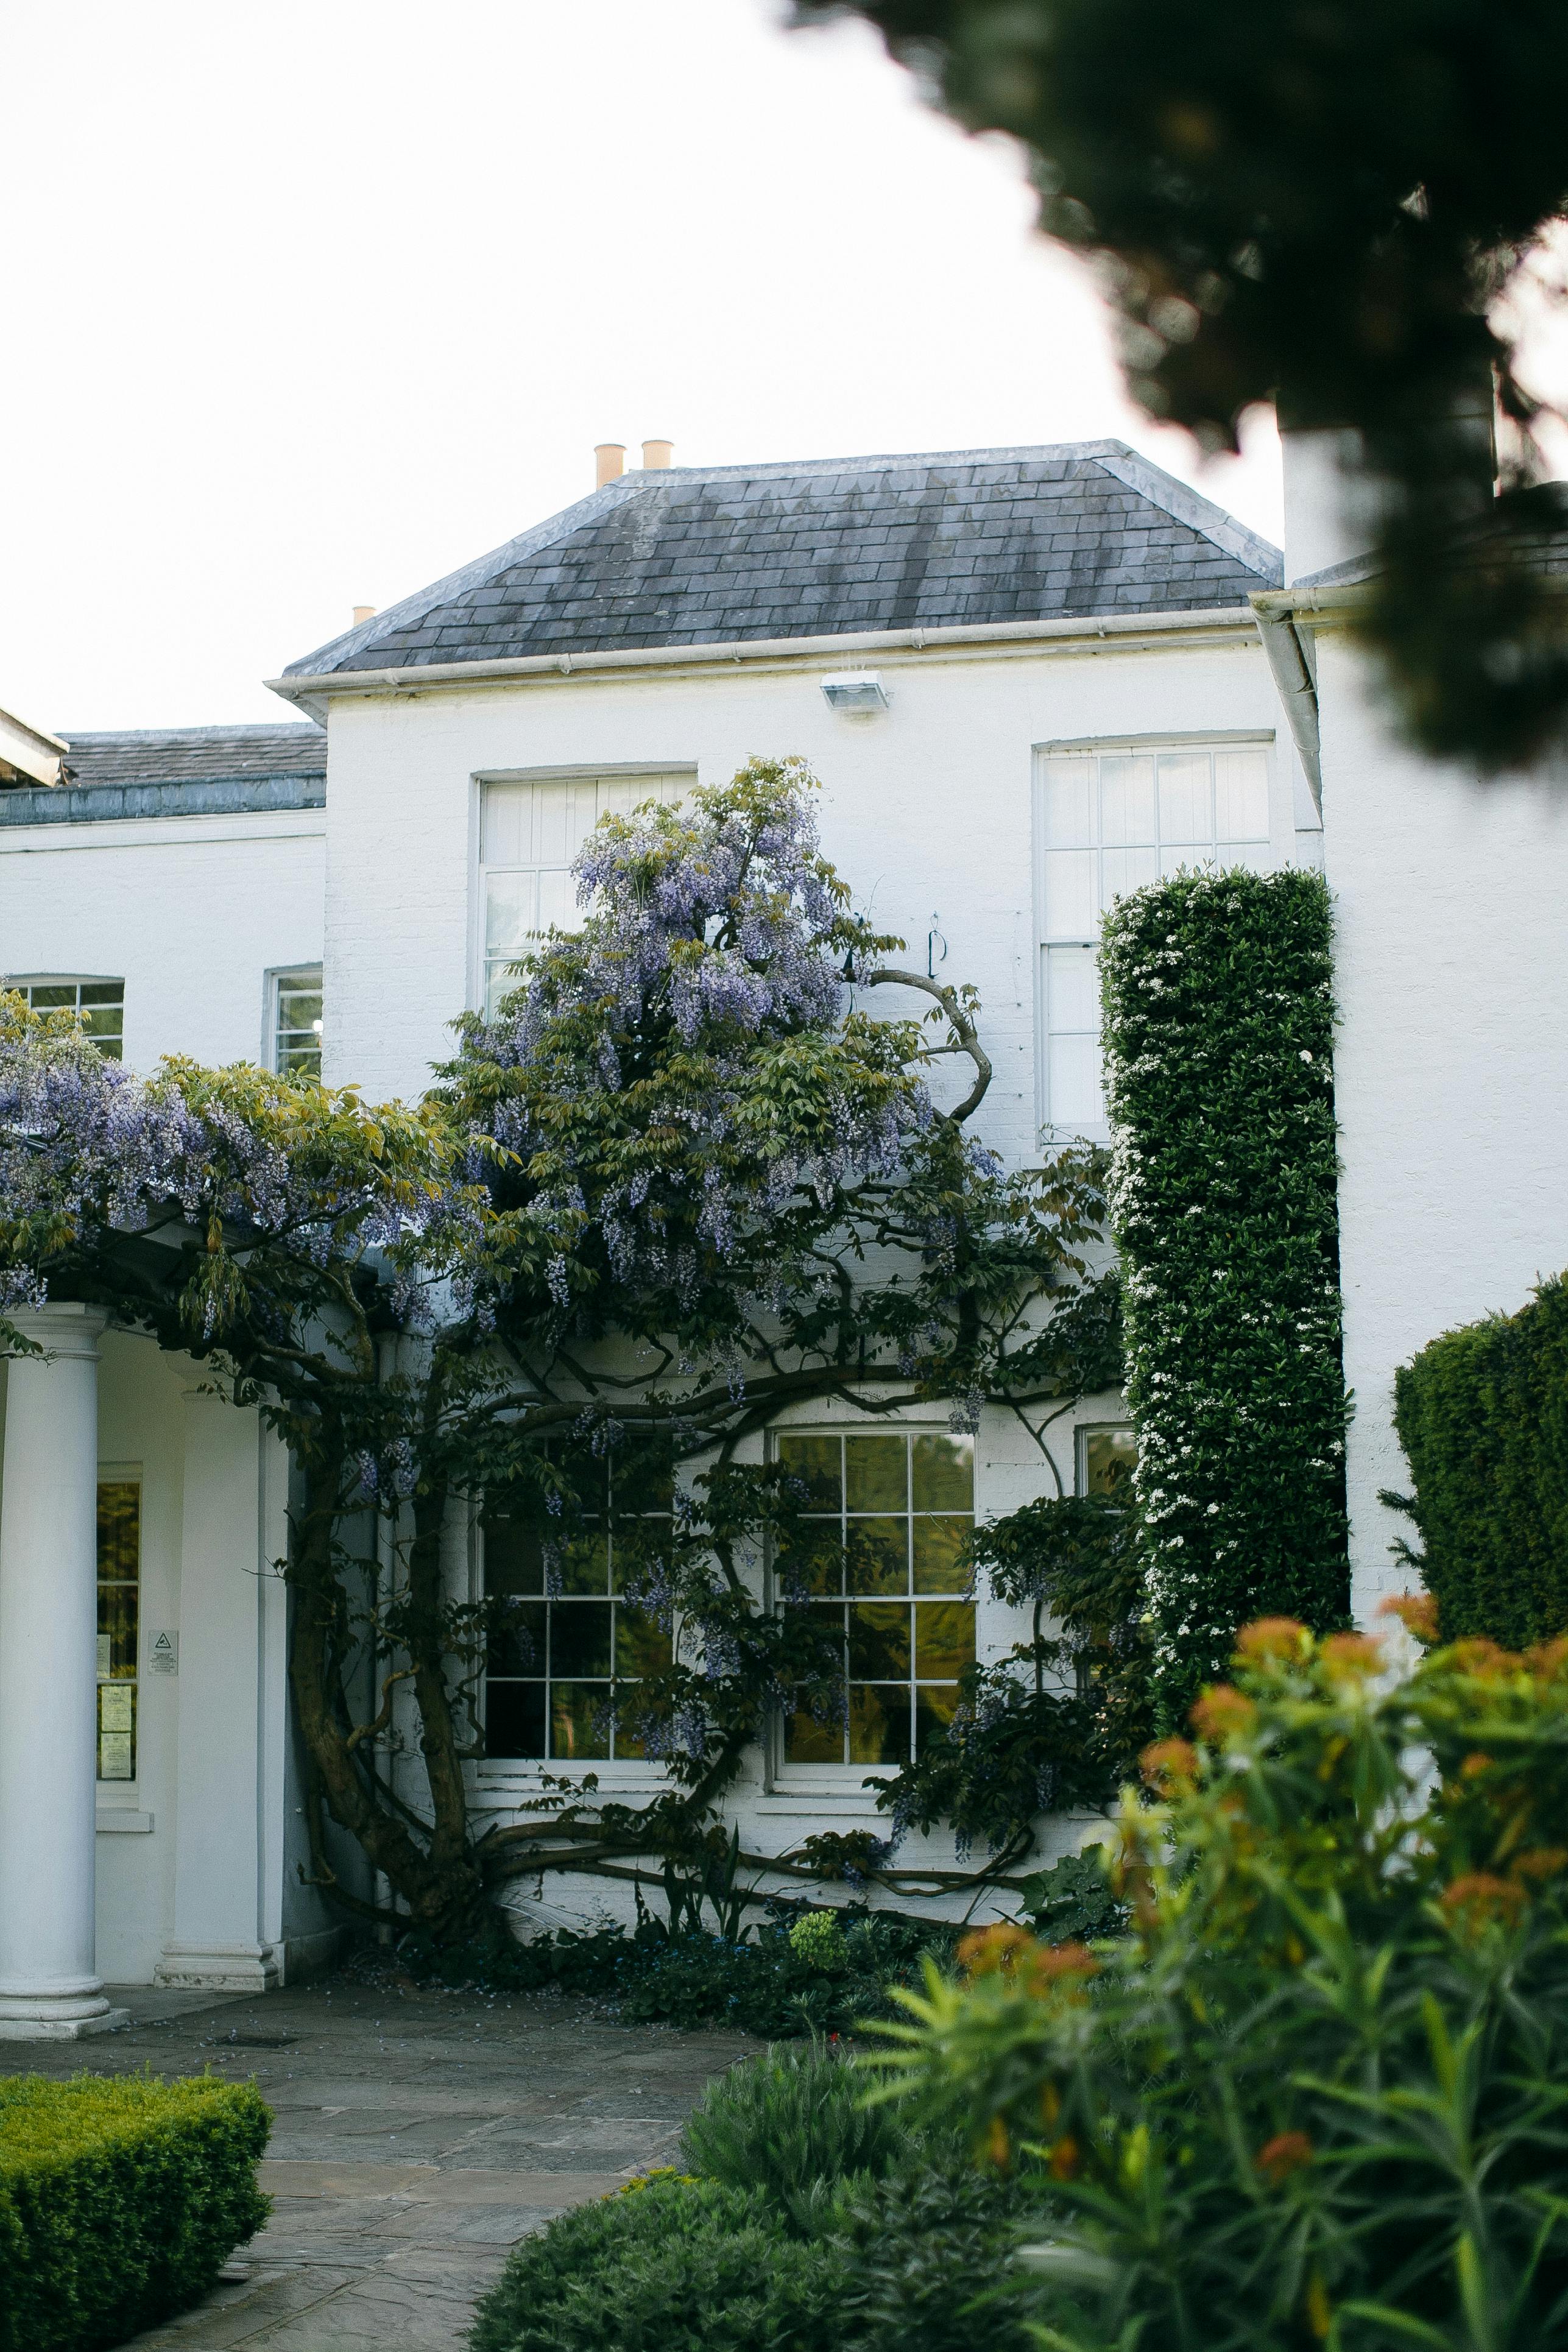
49, 1987
216, 1941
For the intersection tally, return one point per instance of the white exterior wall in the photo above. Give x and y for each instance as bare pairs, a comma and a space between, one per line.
1451, 1064
925, 809
190, 912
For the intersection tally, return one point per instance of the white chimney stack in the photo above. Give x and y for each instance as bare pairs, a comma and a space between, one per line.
656, 454
363, 613
609, 462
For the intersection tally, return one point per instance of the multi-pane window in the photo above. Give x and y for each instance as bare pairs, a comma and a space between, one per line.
297, 1022
1107, 823
885, 1559
119, 1597
530, 834
553, 1657
98, 1004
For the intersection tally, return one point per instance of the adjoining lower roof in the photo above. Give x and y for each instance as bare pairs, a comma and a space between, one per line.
714, 555
177, 771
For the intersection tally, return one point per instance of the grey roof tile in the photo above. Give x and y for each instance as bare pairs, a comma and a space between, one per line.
177, 771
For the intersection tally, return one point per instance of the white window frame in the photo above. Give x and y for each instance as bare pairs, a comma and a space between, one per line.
669, 780
277, 978
786, 1779
24, 982
1082, 940
117, 1790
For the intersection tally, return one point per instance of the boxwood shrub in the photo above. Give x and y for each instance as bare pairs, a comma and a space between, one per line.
1482, 1414
1218, 1043
119, 2201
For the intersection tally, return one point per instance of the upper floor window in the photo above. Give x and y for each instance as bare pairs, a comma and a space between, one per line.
296, 1021
1107, 822
1107, 1458
892, 1511
100, 1004
529, 832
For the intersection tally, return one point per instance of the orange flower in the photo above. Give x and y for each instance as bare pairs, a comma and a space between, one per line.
1478, 1898
1223, 1713
1417, 1611
1541, 1862
991, 1949
1547, 1659
1064, 2162
1351, 1653
1271, 1638
1169, 1763
1284, 2154
1053, 1961
1484, 1658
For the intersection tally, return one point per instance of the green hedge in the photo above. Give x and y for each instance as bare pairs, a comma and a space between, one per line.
1218, 1036
119, 2202
1482, 1414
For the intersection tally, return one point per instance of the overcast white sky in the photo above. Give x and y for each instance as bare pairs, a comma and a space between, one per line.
308, 302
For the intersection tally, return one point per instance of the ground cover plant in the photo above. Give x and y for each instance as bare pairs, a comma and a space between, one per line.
1314, 2095
119, 2202
801, 2221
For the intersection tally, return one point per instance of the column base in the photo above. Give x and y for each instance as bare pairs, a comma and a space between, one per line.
62, 2029
217, 1968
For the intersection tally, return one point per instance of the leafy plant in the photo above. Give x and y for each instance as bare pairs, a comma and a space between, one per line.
1074, 1901
922, 2251
679, 2267
1482, 1414
1314, 2094
789, 2121
1218, 1037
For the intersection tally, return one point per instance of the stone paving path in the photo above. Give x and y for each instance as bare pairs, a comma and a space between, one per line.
416, 2136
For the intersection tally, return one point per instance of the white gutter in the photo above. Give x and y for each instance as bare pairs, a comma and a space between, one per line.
1124, 631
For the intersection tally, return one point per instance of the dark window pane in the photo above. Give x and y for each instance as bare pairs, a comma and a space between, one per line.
934, 1710
514, 1718
635, 1547
585, 1566
513, 1560
116, 1631
814, 1562
49, 996
944, 1639
579, 1721
876, 1556
806, 1741
104, 992
878, 1724
880, 1640
940, 1562
642, 1645
943, 1474
875, 1474
517, 1640
580, 1637
109, 1022
1109, 1457
813, 1461
119, 1530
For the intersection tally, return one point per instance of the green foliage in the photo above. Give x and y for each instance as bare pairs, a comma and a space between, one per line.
679, 2267
1073, 1901
922, 2251
1315, 2094
1482, 1414
818, 1939
1218, 1039
1320, 200
786, 2122
119, 2201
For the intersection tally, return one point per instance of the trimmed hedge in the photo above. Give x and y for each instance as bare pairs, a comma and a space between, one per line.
119, 2200
1482, 1414
1218, 1038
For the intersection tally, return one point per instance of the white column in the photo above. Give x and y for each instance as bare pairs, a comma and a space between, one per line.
218, 1939
49, 1987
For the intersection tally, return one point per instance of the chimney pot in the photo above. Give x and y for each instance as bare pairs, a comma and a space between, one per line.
655, 454
609, 462
363, 613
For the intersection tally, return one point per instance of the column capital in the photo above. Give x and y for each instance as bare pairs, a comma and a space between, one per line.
65, 1327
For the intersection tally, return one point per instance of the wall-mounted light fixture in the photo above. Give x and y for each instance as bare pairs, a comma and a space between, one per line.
855, 689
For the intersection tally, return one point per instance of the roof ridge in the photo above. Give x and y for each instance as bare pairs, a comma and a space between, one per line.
246, 730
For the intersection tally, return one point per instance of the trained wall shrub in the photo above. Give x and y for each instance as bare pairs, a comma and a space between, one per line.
119, 2202
1482, 1414
1218, 1041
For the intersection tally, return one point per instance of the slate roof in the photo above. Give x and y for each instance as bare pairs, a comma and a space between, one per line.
177, 771
715, 555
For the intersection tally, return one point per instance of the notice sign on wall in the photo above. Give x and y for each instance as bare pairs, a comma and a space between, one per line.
163, 1653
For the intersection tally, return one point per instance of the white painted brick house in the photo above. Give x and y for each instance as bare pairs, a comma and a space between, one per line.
1075, 691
